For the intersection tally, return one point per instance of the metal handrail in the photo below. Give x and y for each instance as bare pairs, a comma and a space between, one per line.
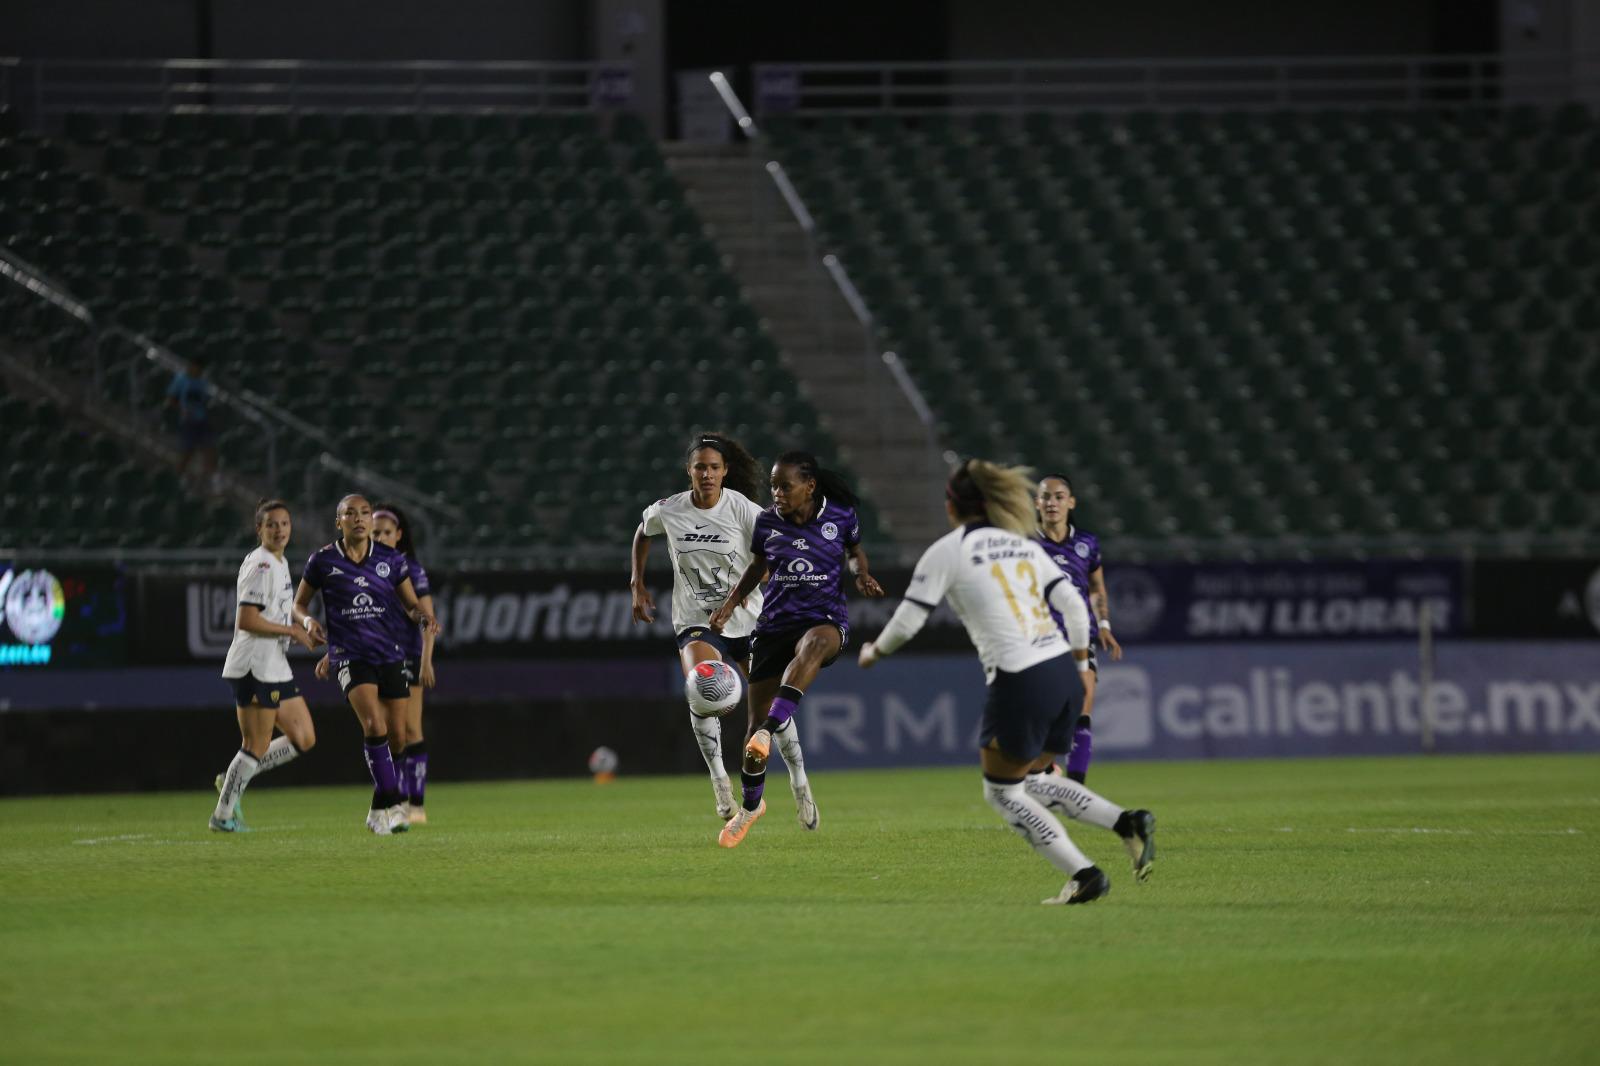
57, 86
963, 86
251, 406
831, 263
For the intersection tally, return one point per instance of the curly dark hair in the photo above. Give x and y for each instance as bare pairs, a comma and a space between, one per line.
744, 473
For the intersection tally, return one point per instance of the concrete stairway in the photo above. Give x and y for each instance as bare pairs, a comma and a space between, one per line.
821, 341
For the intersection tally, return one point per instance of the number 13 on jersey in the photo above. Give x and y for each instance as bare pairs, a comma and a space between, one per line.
1041, 625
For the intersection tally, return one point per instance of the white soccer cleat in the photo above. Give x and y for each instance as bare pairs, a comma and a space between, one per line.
805, 804
378, 823
725, 803
398, 821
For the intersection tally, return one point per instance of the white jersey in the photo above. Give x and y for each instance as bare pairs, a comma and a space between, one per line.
264, 583
710, 550
1001, 587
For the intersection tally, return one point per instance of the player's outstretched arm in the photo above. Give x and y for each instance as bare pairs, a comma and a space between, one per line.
425, 667
747, 584
250, 620
644, 605
301, 615
866, 584
414, 609
1100, 603
907, 622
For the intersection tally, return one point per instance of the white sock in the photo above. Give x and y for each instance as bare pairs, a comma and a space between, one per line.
788, 738
1036, 825
708, 734
279, 752
240, 771
1073, 800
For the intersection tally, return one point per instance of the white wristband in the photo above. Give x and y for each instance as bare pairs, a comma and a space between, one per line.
1083, 666
1105, 623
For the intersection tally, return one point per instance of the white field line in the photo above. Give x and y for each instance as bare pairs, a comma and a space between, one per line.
145, 838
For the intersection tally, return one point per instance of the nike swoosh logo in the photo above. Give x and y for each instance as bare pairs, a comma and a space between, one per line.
702, 527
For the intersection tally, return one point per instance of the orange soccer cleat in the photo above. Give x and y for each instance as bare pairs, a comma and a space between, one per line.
739, 825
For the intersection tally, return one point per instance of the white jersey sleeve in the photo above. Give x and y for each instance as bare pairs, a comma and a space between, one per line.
929, 582
651, 520
935, 571
263, 583
255, 581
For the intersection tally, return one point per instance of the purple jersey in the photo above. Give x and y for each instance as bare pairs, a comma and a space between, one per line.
806, 567
360, 601
1078, 556
408, 634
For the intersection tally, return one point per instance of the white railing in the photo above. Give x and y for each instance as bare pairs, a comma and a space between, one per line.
48, 88
1403, 81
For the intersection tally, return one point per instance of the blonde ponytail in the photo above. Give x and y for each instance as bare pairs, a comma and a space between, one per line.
1004, 493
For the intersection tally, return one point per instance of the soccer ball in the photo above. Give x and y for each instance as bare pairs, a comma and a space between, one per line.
713, 688
603, 761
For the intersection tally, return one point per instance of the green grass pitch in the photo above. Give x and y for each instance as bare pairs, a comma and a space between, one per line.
1380, 910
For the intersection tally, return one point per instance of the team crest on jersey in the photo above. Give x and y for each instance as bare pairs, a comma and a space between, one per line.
1082, 550
830, 531
382, 569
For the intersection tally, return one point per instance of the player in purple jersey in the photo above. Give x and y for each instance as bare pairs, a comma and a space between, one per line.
801, 547
1078, 555
363, 584
391, 529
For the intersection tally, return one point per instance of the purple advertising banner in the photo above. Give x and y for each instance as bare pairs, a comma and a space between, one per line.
1233, 701
1362, 600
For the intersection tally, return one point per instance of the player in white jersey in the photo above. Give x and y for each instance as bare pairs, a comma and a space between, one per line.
1002, 585
708, 532
264, 692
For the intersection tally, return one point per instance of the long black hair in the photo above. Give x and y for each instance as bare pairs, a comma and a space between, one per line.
744, 474
405, 543
831, 484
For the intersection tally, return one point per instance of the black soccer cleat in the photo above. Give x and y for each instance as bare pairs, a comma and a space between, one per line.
1138, 832
1086, 886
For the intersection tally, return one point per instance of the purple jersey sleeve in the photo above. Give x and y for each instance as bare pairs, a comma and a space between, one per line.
852, 527
758, 535
316, 570
419, 579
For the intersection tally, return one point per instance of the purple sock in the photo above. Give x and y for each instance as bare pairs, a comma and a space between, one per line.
380, 764
753, 786
417, 771
1082, 749
784, 704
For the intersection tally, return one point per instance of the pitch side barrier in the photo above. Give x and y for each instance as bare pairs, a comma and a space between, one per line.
73, 616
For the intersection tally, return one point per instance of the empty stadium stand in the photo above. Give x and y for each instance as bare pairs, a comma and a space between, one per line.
517, 312
1243, 325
